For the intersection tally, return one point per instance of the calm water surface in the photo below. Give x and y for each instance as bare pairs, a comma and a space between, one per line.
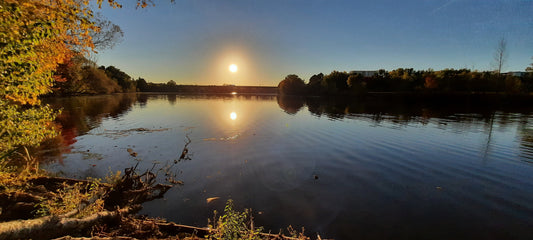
360, 169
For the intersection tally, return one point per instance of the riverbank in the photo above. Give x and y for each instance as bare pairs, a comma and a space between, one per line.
38, 206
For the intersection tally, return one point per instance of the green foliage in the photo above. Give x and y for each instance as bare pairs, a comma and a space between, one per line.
314, 85
409, 80
113, 178
80, 196
15, 177
234, 225
35, 37
292, 85
335, 82
121, 78
141, 84
24, 126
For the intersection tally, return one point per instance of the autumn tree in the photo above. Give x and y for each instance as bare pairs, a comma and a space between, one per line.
124, 80
292, 85
357, 84
35, 37
430, 80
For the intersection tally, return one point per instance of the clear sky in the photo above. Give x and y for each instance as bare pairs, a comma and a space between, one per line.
194, 41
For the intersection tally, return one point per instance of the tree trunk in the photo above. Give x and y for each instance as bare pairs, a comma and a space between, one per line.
56, 226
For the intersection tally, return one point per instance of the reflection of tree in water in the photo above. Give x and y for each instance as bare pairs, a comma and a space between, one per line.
461, 112
526, 141
172, 99
290, 104
142, 99
81, 114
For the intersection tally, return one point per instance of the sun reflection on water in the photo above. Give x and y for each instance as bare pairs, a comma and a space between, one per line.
233, 115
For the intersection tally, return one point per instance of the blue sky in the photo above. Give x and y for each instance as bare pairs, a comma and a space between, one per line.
194, 41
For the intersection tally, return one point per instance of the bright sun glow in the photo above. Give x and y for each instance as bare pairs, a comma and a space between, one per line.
233, 68
233, 116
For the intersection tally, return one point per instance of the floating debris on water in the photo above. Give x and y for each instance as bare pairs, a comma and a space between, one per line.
88, 155
209, 200
223, 138
132, 153
115, 134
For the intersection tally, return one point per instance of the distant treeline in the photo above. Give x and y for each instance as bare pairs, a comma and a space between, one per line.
80, 75
408, 80
171, 86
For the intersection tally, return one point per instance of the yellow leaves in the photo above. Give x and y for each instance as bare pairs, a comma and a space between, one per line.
39, 35
24, 126
74, 197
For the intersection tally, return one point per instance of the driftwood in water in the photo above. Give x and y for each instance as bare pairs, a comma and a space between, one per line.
123, 198
135, 189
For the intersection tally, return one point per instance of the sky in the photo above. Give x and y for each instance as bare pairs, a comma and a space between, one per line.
195, 41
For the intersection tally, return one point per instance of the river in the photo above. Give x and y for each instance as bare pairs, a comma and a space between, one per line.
346, 169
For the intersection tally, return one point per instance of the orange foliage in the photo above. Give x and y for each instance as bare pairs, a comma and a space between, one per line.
40, 35
431, 82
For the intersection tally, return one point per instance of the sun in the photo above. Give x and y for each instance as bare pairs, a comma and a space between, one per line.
233, 68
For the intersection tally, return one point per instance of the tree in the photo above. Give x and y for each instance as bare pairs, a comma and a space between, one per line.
356, 84
292, 85
124, 80
335, 81
500, 56
171, 83
141, 84
98, 82
314, 85
108, 34
35, 38
530, 68
430, 80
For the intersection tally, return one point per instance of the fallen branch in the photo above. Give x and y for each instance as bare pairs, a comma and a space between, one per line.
95, 238
54, 226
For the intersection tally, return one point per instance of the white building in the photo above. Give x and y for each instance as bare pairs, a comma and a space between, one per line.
364, 73
516, 74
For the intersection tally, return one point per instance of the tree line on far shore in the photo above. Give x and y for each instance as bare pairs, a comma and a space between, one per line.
80, 75
408, 80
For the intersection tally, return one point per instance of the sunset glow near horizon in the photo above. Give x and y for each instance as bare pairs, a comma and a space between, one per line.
194, 42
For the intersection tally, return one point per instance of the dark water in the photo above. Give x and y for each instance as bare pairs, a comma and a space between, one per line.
359, 169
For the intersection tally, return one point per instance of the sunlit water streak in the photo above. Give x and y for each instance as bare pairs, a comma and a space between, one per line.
415, 173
